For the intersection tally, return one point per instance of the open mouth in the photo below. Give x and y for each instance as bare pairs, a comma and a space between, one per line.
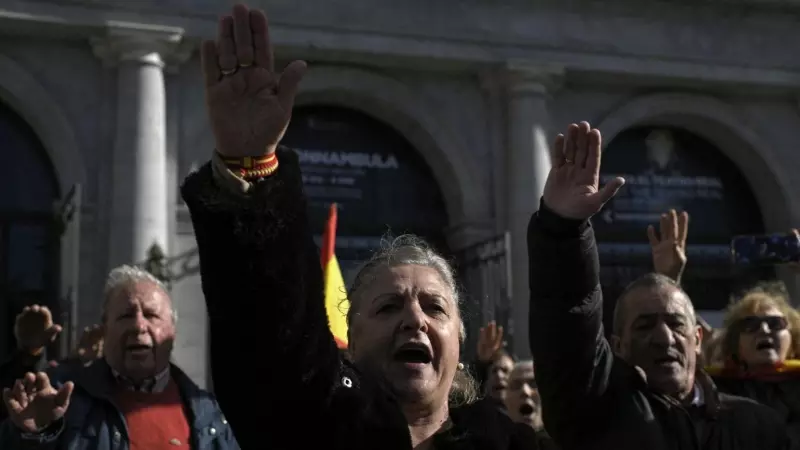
766, 344
526, 409
667, 360
139, 348
413, 353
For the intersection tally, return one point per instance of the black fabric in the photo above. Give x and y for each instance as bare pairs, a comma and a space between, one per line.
263, 287
783, 396
590, 398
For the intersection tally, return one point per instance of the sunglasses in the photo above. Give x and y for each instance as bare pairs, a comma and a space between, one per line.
752, 324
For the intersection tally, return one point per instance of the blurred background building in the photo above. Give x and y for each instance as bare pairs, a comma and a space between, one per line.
434, 117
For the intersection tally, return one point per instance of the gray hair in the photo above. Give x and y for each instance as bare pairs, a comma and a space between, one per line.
409, 249
648, 281
403, 250
126, 275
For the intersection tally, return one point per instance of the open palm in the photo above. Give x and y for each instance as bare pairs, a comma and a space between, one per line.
249, 104
33, 403
573, 188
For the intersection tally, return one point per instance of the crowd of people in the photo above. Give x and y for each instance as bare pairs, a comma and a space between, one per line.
663, 380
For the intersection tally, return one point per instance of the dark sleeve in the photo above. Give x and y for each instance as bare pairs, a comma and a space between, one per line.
15, 367
262, 281
573, 358
480, 371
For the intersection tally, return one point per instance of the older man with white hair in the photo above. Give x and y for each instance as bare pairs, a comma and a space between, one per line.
133, 396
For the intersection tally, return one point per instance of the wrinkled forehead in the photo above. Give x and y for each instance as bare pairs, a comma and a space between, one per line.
406, 280
657, 301
140, 294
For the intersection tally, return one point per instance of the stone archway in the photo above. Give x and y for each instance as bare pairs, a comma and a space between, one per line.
409, 112
22, 93
716, 122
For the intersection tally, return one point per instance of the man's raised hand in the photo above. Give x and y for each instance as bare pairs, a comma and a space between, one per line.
34, 328
573, 188
669, 252
249, 103
33, 403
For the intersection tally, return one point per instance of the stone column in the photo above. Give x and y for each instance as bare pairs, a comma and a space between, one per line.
529, 139
140, 193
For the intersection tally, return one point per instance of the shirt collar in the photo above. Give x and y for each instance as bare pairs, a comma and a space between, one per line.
698, 398
153, 384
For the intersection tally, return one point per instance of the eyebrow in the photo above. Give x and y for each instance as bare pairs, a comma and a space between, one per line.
680, 316
402, 294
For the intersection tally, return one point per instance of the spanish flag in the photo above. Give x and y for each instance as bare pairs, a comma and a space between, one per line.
336, 303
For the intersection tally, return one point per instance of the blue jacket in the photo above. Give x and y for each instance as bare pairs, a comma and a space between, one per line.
93, 422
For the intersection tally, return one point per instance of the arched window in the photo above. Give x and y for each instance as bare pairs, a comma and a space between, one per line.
379, 181
29, 237
673, 168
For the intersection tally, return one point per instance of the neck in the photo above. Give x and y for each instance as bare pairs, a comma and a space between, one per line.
687, 396
424, 422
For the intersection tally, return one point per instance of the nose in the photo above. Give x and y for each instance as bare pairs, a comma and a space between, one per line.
413, 318
141, 323
527, 390
764, 327
662, 335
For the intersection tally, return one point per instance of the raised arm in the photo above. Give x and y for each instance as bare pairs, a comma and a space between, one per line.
573, 359
260, 269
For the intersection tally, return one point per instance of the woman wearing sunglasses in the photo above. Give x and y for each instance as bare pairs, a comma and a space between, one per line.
760, 345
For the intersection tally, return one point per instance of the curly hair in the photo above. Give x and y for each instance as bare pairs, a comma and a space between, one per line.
756, 300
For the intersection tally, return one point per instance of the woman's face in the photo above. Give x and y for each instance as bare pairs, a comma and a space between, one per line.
497, 381
406, 326
764, 338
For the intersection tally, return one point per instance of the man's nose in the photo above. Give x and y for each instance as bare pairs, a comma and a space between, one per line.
141, 323
662, 335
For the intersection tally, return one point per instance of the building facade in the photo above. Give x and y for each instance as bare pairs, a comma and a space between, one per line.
430, 117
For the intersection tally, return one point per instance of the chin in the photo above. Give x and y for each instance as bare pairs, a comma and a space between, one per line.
412, 390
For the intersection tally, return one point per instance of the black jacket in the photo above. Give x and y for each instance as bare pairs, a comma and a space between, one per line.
263, 286
594, 400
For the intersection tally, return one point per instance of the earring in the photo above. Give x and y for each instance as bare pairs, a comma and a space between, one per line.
460, 366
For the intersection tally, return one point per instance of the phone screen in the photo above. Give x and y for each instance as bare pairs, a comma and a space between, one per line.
770, 249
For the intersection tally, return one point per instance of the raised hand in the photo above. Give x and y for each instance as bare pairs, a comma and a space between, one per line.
669, 252
34, 328
490, 340
33, 403
90, 346
249, 103
573, 188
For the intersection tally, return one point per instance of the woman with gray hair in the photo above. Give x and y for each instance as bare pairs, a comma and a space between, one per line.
263, 287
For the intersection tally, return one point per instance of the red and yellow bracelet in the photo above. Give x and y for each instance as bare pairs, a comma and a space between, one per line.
249, 167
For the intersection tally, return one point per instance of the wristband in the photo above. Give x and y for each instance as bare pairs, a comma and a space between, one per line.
249, 167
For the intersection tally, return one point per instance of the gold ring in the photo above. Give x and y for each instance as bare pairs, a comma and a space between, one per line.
245, 65
227, 72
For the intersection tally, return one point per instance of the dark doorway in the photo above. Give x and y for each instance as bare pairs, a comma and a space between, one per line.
673, 168
377, 178
29, 237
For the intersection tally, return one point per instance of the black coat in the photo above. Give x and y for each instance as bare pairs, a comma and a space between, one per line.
263, 286
594, 400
